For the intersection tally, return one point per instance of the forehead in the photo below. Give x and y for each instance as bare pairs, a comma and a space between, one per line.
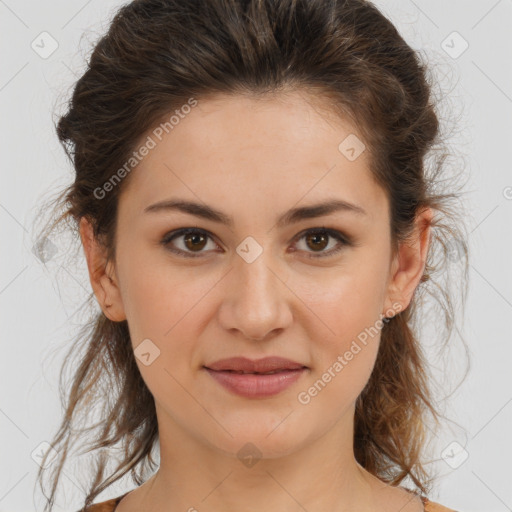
273, 152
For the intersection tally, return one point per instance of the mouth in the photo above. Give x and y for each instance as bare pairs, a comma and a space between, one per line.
256, 378
241, 372
265, 366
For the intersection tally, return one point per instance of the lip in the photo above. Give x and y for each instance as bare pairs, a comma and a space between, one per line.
252, 384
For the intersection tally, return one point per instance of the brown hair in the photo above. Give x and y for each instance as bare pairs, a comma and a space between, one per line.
156, 55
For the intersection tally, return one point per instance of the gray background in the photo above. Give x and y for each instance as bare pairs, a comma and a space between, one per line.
40, 306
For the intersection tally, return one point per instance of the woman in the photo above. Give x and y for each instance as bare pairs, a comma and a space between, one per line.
258, 225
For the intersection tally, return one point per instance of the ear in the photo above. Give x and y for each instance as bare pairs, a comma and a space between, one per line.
409, 263
105, 287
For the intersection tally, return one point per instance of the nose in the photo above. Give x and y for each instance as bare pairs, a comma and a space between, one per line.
257, 303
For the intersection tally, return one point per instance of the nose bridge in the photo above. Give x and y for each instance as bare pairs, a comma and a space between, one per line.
256, 299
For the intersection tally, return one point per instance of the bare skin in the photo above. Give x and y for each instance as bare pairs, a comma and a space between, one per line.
253, 160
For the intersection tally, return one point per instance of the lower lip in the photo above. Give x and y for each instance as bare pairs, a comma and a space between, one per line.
251, 385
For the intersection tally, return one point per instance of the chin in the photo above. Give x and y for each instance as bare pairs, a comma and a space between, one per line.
257, 440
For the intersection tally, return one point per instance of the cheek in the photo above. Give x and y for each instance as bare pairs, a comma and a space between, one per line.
156, 294
163, 305
169, 306
346, 301
346, 329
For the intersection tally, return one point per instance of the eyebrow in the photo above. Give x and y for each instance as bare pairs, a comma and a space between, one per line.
290, 217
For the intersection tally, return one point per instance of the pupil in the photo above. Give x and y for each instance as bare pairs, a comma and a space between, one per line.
316, 236
194, 238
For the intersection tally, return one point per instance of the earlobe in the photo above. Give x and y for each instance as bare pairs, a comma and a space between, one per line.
105, 288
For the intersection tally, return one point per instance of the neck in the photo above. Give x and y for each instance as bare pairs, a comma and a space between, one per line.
321, 475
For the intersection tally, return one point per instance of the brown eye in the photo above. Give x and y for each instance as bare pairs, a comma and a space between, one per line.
317, 241
193, 241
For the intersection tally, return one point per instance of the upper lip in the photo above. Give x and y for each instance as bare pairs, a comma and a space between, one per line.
266, 364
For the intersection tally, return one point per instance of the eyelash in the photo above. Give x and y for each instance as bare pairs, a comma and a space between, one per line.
341, 238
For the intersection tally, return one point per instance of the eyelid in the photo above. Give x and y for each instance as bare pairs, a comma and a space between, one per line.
343, 239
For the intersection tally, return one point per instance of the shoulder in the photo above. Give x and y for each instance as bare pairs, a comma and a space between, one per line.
104, 506
431, 506
110, 505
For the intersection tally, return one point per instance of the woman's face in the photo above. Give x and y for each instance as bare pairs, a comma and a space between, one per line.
256, 287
